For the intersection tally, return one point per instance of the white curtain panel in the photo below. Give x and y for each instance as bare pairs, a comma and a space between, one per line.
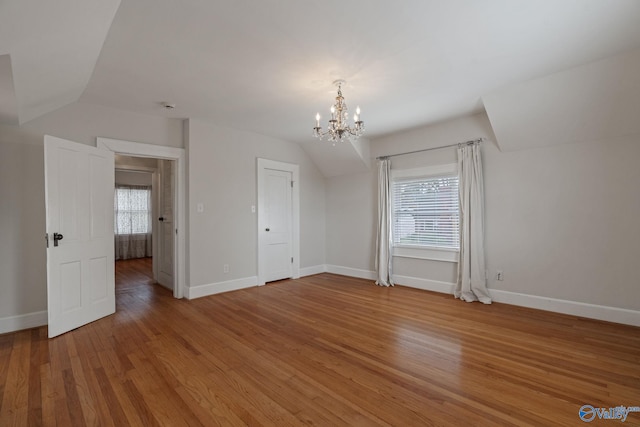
132, 216
384, 239
471, 284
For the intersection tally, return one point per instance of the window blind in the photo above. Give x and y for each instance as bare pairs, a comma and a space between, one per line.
426, 212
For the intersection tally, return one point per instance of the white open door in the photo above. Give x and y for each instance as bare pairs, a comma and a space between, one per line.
79, 187
166, 224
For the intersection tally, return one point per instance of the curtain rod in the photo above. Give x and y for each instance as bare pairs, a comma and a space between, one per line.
471, 142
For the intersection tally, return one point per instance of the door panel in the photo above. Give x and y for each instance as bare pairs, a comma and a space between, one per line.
98, 276
70, 286
101, 208
67, 198
278, 220
79, 185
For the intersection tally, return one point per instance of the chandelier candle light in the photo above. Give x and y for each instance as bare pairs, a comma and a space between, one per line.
338, 128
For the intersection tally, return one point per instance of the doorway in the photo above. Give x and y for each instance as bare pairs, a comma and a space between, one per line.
144, 200
174, 226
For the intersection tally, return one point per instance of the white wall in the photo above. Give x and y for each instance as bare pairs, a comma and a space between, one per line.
222, 176
22, 226
133, 178
351, 220
23, 290
561, 222
84, 122
135, 163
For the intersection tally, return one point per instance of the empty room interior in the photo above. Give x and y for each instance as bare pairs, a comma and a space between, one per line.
338, 213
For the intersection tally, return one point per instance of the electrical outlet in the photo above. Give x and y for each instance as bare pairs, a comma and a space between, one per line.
226, 268
499, 275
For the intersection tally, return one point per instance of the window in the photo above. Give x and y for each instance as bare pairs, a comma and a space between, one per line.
426, 210
133, 210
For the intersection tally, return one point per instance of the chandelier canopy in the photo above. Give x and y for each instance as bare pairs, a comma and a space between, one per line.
338, 128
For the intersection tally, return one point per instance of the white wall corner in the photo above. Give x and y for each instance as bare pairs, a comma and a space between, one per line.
314, 269
362, 147
344, 158
199, 291
23, 321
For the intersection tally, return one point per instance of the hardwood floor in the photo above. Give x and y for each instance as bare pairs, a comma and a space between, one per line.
324, 350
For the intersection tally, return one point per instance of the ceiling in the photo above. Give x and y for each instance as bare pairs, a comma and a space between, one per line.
267, 66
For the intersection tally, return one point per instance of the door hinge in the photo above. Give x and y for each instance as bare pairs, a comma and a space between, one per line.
291, 260
291, 184
46, 237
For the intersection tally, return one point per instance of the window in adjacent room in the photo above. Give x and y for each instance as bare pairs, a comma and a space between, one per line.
426, 213
132, 210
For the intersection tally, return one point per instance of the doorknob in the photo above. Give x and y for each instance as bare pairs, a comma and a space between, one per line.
161, 218
56, 237
267, 229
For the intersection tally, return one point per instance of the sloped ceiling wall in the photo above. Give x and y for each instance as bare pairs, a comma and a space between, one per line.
52, 51
596, 101
341, 159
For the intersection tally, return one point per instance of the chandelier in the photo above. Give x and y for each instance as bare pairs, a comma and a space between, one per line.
338, 128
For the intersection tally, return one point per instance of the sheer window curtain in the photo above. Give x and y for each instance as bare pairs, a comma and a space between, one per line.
471, 284
384, 241
132, 216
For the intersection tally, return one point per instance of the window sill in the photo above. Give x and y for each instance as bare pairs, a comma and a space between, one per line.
433, 254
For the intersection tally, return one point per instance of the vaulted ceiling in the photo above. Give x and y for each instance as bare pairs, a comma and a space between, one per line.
267, 66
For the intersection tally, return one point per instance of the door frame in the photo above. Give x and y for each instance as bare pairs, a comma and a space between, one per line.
262, 166
138, 149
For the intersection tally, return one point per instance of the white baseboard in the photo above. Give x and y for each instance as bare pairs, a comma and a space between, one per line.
352, 272
216, 288
591, 311
574, 308
23, 321
411, 282
425, 284
315, 269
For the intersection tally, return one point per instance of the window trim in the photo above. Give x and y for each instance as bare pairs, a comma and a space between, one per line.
424, 252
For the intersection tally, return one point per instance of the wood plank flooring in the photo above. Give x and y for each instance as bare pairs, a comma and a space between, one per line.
323, 350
